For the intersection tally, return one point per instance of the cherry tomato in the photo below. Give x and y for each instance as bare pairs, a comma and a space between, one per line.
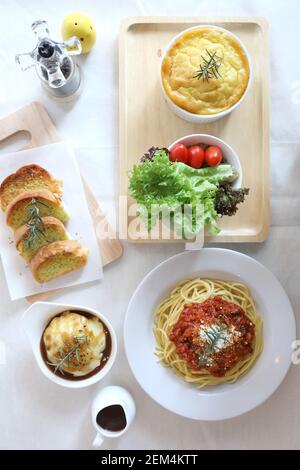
196, 156
213, 156
179, 153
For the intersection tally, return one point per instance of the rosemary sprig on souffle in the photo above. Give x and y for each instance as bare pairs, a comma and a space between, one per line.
209, 67
68, 353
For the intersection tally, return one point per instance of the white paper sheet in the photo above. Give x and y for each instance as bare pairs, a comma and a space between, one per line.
60, 161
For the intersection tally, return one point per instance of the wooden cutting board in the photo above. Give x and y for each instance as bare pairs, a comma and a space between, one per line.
35, 120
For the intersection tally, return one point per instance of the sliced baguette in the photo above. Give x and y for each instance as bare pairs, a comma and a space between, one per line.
57, 259
52, 230
17, 213
28, 178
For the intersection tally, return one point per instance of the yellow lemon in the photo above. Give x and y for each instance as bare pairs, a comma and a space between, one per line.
80, 25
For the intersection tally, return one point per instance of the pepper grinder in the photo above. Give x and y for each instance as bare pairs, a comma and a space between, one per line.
60, 76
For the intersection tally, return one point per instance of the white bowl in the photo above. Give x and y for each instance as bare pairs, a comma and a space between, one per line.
204, 118
228, 153
225, 400
35, 320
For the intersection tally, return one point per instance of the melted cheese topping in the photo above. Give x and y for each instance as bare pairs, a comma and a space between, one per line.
83, 338
183, 60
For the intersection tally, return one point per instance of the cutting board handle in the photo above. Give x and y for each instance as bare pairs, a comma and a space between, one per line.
8, 128
33, 119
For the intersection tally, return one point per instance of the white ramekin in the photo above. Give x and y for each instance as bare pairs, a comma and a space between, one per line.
228, 153
204, 118
34, 322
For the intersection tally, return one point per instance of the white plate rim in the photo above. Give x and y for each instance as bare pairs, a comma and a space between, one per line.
291, 319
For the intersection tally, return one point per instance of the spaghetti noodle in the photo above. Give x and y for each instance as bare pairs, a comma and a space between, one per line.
239, 331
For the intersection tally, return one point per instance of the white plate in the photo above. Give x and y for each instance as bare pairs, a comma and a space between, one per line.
226, 400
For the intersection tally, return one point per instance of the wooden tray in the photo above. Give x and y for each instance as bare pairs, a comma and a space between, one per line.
35, 120
146, 120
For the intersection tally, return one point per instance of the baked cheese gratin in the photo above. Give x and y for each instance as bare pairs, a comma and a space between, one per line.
205, 71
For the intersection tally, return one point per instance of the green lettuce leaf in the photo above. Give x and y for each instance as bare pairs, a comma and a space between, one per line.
170, 186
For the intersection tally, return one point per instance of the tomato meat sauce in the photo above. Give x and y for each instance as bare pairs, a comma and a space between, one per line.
213, 335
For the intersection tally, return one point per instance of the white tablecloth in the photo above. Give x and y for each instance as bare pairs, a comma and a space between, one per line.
37, 414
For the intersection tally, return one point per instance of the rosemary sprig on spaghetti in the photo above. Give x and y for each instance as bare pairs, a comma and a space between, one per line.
212, 335
70, 353
209, 68
34, 223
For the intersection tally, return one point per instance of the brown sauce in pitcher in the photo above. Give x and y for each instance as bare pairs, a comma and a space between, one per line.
112, 418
